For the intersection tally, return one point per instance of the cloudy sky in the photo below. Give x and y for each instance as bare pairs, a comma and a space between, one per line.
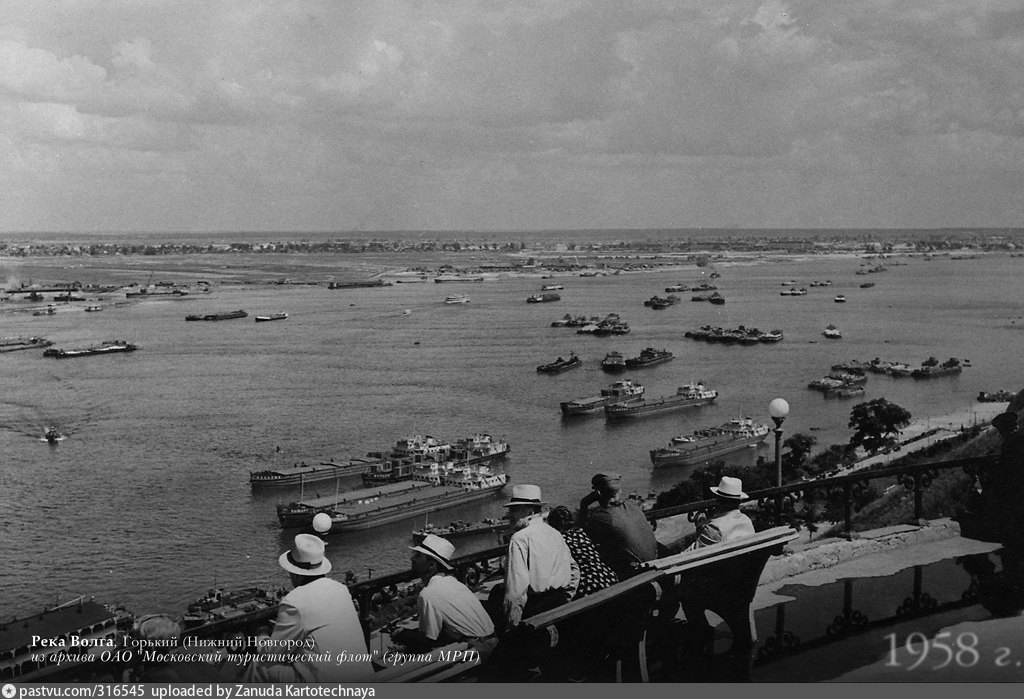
360, 115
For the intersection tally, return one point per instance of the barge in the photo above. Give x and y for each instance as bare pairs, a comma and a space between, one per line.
685, 397
706, 444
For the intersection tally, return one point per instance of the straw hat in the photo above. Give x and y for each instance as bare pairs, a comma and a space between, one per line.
525, 495
307, 558
729, 488
441, 550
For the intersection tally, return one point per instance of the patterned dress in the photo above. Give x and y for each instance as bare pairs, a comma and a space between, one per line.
594, 574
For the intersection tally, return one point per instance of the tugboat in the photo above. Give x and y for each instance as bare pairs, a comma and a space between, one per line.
560, 365
52, 435
613, 362
649, 357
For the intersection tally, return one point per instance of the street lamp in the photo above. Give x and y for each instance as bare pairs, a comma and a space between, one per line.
778, 409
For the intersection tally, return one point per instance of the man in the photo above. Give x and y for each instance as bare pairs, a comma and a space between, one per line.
316, 623
448, 610
1003, 486
728, 523
540, 573
618, 528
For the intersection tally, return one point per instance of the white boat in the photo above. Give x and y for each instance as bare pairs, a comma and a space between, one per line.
275, 316
832, 332
552, 287
456, 298
840, 298
93, 309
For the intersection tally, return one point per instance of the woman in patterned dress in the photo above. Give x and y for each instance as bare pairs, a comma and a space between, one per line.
594, 574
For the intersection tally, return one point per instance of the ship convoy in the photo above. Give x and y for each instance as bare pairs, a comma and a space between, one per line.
420, 474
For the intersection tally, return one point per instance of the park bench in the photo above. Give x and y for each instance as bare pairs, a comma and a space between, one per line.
621, 622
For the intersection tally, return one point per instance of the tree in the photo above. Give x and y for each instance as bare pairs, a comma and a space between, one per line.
799, 447
876, 423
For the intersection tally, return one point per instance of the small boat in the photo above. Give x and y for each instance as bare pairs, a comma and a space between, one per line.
222, 610
649, 357
52, 435
716, 298
275, 316
867, 285
676, 287
93, 309
453, 299
840, 298
771, 336
613, 362
832, 332
560, 365
552, 287
931, 368
618, 392
48, 311
543, 298
459, 529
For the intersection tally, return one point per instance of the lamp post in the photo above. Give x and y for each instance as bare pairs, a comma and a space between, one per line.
778, 409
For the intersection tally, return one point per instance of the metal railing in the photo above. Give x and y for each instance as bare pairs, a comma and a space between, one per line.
776, 506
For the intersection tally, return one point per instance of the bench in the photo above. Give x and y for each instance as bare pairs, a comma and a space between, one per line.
624, 620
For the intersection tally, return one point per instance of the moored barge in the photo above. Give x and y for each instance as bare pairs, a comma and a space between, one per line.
702, 445
685, 397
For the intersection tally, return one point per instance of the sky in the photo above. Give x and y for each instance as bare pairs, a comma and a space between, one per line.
353, 115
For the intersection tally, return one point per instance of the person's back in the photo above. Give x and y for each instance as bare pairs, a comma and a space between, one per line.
449, 611
594, 573
619, 529
322, 609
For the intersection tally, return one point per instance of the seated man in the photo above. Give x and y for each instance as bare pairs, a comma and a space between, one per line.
540, 573
316, 622
448, 610
618, 528
728, 523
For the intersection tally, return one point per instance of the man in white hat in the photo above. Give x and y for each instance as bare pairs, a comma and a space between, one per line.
728, 523
316, 622
540, 573
448, 610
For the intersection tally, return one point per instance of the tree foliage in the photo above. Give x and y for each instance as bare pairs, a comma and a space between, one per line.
875, 423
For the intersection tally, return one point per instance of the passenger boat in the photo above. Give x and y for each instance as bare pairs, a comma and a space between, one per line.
560, 365
13, 344
229, 315
456, 298
793, 291
618, 392
649, 357
685, 397
36, 646
546, 297
832, 332
275, 316
613, 362
222, 610
702, 445
840, 298
371, 507
459, 529
48, 311
108, 347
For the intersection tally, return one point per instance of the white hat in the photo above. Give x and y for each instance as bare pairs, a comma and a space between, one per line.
307, 558
525, 495
441, 550
730, 488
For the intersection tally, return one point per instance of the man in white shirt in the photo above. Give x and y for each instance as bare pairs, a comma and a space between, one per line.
316, 623
540, 573
448, 610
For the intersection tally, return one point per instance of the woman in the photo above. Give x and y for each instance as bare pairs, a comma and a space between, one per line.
594, 574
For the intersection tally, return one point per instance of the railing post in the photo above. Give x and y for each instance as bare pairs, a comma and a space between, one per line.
918, 498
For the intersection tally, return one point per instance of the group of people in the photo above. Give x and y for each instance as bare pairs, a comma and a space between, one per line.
553, 557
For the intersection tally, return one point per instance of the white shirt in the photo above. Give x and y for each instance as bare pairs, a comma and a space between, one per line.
449, 610
538, 560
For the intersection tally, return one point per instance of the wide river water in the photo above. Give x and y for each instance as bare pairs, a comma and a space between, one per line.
147, 500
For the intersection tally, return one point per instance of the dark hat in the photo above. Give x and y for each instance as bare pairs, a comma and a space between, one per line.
604, 481
1004, 420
